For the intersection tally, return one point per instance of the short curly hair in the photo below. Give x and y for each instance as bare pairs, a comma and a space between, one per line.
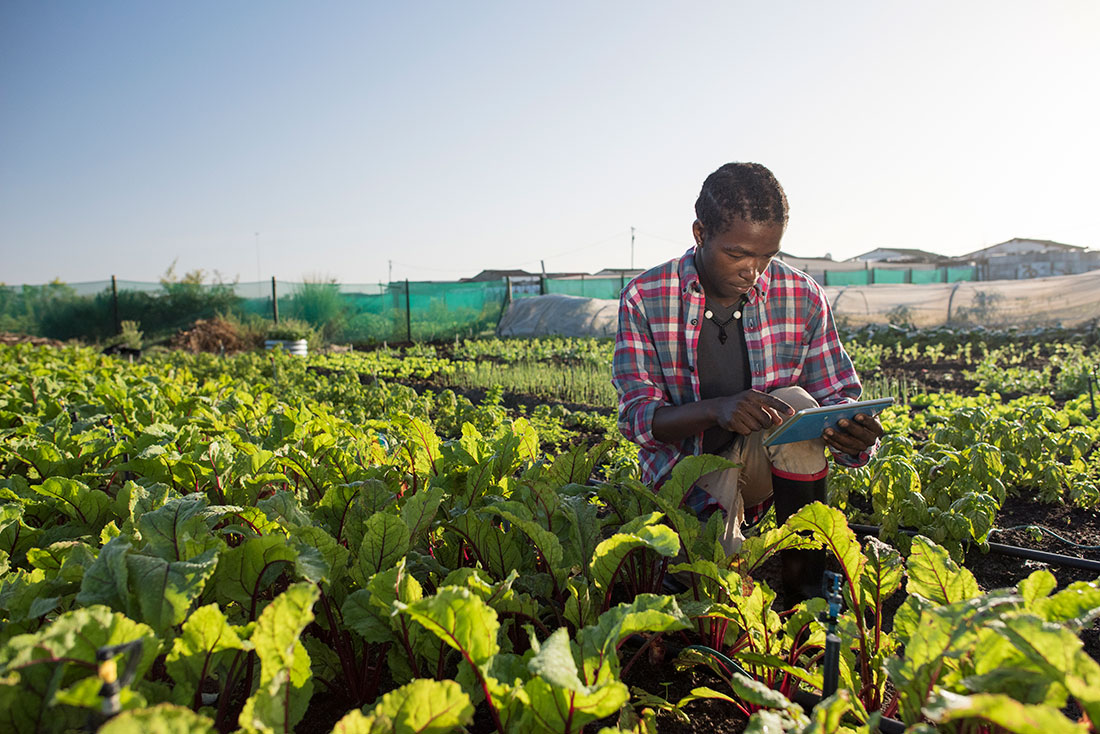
746, 191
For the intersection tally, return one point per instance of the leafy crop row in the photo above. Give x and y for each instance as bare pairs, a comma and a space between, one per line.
273, 541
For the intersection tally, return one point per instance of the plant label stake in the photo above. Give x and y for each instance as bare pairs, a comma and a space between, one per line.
831, 590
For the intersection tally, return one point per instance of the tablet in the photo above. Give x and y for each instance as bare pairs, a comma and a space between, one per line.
812, 422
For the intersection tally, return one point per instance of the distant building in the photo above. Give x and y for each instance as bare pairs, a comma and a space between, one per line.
816, 267
1023, 246
1021, 258
628, 273
516, 275
490, 275
523, 283
899, 255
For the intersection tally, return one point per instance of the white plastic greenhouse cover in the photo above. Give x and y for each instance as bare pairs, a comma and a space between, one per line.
559, 315
1066, 300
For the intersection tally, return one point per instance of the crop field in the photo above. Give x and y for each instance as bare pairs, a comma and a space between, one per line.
453, 537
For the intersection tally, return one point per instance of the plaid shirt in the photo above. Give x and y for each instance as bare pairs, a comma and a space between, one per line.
789, 333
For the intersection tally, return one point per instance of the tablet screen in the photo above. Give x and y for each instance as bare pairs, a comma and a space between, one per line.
811, 422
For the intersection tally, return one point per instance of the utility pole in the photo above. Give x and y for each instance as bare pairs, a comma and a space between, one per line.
259, 273
390, 280
631, 248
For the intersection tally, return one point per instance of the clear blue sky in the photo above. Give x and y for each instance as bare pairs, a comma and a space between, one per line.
327, 139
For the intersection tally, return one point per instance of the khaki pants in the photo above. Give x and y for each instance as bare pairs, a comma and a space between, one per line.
750, 483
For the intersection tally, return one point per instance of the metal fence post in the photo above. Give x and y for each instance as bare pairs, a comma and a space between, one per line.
114, 300
408, 312
507, 299
274, 301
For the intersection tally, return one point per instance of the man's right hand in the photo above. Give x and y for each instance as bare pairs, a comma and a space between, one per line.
742, 413
750, 411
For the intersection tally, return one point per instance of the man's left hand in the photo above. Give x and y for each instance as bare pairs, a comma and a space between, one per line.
853, 436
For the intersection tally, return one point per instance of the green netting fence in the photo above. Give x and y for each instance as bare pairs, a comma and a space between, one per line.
402, 311
348, 313
875, 276
607, 288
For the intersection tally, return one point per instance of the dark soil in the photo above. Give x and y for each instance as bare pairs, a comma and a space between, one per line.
938, 377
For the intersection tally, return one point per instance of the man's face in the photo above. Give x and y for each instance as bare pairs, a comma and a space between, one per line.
729, 262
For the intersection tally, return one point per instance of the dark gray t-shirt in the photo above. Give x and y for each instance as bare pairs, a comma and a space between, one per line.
723, 367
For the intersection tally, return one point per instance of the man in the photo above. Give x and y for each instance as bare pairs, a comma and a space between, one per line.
722, 344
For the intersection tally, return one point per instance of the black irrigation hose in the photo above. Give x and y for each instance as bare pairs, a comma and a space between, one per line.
1040, 529
1055, 559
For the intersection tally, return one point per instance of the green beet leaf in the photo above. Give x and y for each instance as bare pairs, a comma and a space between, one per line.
326, 559
686, 473
882, 574
16, 537
547, 544
514, 444
1002, 711
559, 701
419, 511
177, 531
934, 576
164, 718
685, 523
286, 684
554, 662
937, 641
107, 580
89, 508
766, 721
829, 525
420, 707
385, 542
421, 445
144, 587
609, 554
338, 510
575, 466
370, 611
134, 500
581, 608
284, 507
599, 643
460, 619
250, 568
1037, 586
499, 552
204, 650
164, 591
583, 533
560, 711
34, 668
1057, 651
745, 689
1076, 605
